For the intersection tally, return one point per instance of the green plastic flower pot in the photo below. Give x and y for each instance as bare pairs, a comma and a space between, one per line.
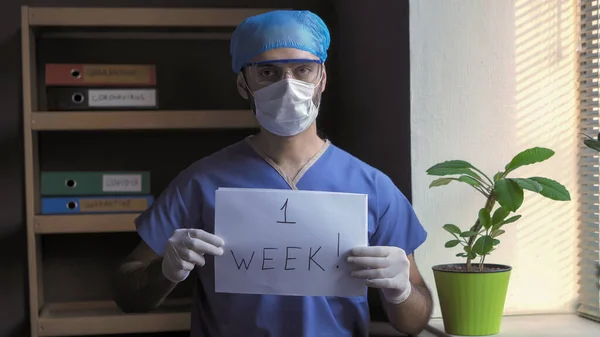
472, 303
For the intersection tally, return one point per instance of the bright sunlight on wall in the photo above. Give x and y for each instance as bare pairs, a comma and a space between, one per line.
488, 80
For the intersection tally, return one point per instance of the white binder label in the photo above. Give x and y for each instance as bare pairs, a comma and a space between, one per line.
122, 98
121, 183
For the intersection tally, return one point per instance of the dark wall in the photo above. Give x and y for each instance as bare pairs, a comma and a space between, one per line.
372, 112
365, 111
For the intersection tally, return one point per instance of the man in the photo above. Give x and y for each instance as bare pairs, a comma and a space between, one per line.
279, 57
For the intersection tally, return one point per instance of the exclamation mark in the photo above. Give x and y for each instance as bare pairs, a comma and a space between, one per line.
338, 249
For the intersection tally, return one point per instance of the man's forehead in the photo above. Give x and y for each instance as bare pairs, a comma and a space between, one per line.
284, 54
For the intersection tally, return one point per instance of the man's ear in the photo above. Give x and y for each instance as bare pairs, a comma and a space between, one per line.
241, 85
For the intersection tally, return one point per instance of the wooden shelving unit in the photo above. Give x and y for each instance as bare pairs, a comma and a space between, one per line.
109, 223
130, 120
103, 317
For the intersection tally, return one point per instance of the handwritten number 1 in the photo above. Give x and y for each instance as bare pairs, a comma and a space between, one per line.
284, 209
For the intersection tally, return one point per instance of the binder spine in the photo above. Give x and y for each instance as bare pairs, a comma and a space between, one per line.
95, 204
59, 74
74, 98
94, 183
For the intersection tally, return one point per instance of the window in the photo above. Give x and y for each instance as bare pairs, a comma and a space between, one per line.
589, 298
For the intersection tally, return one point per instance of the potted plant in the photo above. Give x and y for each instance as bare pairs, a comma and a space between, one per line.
472, 294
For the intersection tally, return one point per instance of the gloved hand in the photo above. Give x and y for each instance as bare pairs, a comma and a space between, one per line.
185, 249
383, 267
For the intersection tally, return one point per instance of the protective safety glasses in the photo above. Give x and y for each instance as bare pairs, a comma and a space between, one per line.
268, 72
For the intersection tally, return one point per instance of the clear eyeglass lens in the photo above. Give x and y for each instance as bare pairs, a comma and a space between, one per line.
268, 73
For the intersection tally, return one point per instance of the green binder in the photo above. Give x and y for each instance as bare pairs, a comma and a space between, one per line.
95, 183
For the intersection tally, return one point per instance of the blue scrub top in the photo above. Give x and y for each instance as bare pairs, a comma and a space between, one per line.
189, 202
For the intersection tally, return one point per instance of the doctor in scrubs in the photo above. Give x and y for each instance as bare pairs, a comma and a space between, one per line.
280, 61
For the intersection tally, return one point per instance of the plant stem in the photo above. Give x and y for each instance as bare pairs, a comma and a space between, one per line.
481, 263
486, 177
489, 205
482, 190
487, 186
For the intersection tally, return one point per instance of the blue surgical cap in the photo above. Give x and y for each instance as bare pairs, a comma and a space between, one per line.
302, 30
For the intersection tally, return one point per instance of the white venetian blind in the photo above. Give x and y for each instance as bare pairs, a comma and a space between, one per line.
589, 298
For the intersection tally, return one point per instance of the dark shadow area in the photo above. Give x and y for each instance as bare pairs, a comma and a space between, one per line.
13, 253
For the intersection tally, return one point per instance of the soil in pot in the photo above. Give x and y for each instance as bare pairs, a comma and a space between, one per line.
462, 268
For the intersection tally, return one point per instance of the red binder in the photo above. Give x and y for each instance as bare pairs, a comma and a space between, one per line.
59, 74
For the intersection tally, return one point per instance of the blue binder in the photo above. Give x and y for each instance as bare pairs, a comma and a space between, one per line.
96, 204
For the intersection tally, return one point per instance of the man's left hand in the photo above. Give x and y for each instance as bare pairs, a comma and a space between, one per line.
383, 267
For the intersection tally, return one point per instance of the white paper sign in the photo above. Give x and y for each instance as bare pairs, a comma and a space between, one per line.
289, 242
121, 183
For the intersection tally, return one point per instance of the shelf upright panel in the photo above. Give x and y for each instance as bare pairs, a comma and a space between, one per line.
30, 103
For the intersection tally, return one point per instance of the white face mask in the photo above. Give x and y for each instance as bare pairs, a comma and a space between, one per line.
286, 107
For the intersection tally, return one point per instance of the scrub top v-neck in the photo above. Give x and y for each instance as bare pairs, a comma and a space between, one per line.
292, 182
189, 202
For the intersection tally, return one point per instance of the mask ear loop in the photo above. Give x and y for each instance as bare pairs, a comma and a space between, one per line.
318, 86
250, 93
247, 87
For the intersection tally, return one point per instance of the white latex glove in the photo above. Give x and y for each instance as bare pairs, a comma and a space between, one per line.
383, 267
185, 250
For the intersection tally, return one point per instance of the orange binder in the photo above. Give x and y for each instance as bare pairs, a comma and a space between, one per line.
100, 74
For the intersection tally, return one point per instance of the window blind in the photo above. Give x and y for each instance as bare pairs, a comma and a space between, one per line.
589, 296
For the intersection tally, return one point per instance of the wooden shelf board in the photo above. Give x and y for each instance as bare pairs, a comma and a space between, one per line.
104, 317
87, 223
139, 17
137, 35
131, 120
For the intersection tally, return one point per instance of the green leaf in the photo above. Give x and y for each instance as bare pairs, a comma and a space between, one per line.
509, 194
528, 157
499, 215
507, 221
592, 144
453, 229
452, 243
451, 164
471, 255
464, 178
498, 175
461, 255
497, 232
528, 184
484, 218
441, 182
469, 180
453, 171
468, 234
496, 242
483, 245
452, 167
552, 189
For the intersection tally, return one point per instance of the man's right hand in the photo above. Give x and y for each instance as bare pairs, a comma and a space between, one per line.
186, 249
